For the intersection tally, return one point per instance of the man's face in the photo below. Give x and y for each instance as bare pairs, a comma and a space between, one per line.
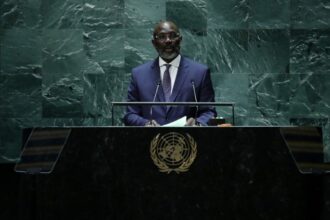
167, 41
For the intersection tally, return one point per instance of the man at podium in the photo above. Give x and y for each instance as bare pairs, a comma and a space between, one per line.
171, 77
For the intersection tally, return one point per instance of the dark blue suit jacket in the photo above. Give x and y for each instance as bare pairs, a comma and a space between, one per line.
143, 87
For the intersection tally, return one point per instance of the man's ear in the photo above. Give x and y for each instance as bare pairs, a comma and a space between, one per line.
153, 43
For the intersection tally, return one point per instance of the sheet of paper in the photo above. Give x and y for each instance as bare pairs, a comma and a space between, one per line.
178, 123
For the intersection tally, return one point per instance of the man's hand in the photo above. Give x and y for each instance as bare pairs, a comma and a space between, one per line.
190, 122
152, 123
225, 125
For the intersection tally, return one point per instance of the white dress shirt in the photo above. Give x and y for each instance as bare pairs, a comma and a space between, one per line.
173, 69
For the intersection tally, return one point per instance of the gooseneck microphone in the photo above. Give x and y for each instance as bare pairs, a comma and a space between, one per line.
154, 99
194, 89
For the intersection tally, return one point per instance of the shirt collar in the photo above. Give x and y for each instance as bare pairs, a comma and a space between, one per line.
175, 62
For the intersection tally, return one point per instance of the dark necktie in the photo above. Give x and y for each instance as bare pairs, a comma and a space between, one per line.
167, 83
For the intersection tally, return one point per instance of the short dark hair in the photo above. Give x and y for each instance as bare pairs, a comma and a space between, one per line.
162, 22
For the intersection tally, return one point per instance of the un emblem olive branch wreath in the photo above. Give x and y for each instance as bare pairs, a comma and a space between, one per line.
186, 164
161, 165
160, 143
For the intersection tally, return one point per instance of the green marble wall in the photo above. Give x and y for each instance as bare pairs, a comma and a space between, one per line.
62, 62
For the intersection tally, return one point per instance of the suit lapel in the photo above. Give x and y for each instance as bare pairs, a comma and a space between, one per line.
156, 78
180, 78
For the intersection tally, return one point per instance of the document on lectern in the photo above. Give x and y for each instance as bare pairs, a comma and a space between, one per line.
178, 123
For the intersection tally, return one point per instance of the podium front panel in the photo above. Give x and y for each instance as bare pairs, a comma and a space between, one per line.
231, 173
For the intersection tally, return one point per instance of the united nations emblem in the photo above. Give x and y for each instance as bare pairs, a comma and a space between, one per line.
173, 152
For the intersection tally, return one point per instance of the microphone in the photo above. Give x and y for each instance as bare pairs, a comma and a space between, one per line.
154, 99
194, 89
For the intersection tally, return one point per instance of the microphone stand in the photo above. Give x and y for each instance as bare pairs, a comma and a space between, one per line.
153, 101
194, 89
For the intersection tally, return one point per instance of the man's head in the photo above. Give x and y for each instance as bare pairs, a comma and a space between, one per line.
166, 40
